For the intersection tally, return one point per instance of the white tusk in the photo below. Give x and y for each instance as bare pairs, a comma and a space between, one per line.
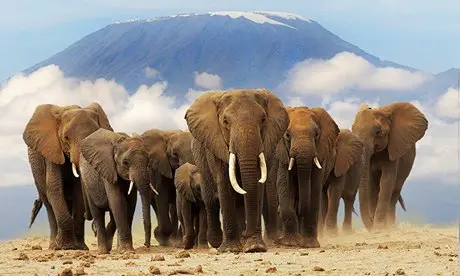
291, 163
231, 172
131, 184
317, 163
153, 189
263, 168
74, 170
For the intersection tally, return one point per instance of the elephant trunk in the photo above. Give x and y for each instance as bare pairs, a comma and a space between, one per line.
141, 178
304, 163
364, 190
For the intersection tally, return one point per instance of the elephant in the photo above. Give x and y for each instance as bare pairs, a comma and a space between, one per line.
111, 165
190, 206
305, 157
168, 150
53, 136
234, 134
389, 135
342, 182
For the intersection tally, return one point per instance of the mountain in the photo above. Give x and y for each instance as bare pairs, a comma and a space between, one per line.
250, 49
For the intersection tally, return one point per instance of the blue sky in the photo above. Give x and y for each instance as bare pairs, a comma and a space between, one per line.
423, 34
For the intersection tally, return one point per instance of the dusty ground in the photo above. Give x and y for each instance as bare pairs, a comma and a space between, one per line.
408, 250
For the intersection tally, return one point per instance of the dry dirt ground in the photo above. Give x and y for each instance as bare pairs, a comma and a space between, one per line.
407, 250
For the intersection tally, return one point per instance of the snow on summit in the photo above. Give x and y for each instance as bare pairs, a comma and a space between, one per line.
259, 17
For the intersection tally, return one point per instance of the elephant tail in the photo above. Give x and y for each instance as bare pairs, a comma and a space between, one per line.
401, 201
37, 206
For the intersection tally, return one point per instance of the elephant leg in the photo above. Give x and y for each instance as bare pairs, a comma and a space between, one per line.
53, 225
231, 240
119, 208
311, 221
348, 214
131, 201
164, 229
78, 214
189, 231
240, 216
334, 194
99, 223
387, 184
111, 228
374, 190
391, 215
322, 211
65, 237
290, 235
202, 227
271, 196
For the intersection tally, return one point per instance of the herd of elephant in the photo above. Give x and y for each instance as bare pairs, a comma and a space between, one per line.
245, 157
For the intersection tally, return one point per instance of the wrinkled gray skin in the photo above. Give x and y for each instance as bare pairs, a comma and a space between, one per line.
53, 136
389, 134
109, 163
168, 150
190, 206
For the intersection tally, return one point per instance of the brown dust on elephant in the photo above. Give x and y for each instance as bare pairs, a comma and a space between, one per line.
305, 159
168, 150
389, 134
114, 167
190, 206
235, 133
53, 136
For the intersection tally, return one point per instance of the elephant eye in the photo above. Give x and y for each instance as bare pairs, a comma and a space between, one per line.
378, 132
287, 136
225, 120
125, 163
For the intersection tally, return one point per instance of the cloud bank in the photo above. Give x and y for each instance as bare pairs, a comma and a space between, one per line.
347, 71
208, 81
147, 108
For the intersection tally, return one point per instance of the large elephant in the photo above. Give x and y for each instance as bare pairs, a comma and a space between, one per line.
389, 134
53, 136
234, 134
168, 150
305, 158
190, 206
342, 182
111, 164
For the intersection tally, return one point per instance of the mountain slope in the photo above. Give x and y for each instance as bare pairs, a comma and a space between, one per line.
250, 49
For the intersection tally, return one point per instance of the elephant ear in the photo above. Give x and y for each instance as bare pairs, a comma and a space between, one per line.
98, 150
102, 117
155, 143
277, 121
282, 153
183, 182
203, 123
328, 136
349, 151
408, 125
41, 133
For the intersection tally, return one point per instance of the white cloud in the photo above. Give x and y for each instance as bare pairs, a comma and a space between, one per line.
347, 71
150, 72
436, 152
447, 104
208, 81
147, 108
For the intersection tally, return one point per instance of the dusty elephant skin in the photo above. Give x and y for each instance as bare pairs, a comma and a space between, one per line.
190, 206
342, 182
235, 133
113, 167
304, 162
389, 134
168, 150
53, 136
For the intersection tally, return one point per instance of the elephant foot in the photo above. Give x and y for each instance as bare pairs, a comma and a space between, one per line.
125, 249
254, 244
188, 242
202, 245
102, 250
64, 242
233, 246
52, 244
82, 246
311, 242
347, 231
162, 238
290, 240
332, 231
215, 240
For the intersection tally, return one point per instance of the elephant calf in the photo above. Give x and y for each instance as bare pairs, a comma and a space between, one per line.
190, 206
112, 164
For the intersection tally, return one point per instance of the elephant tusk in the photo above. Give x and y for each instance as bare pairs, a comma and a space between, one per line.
291, 163
153, 189
317, 162
131, 184
231, 172
74, 170
263, 168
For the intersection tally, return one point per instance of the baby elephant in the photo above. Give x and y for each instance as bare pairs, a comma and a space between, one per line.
113, 167
190, 206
